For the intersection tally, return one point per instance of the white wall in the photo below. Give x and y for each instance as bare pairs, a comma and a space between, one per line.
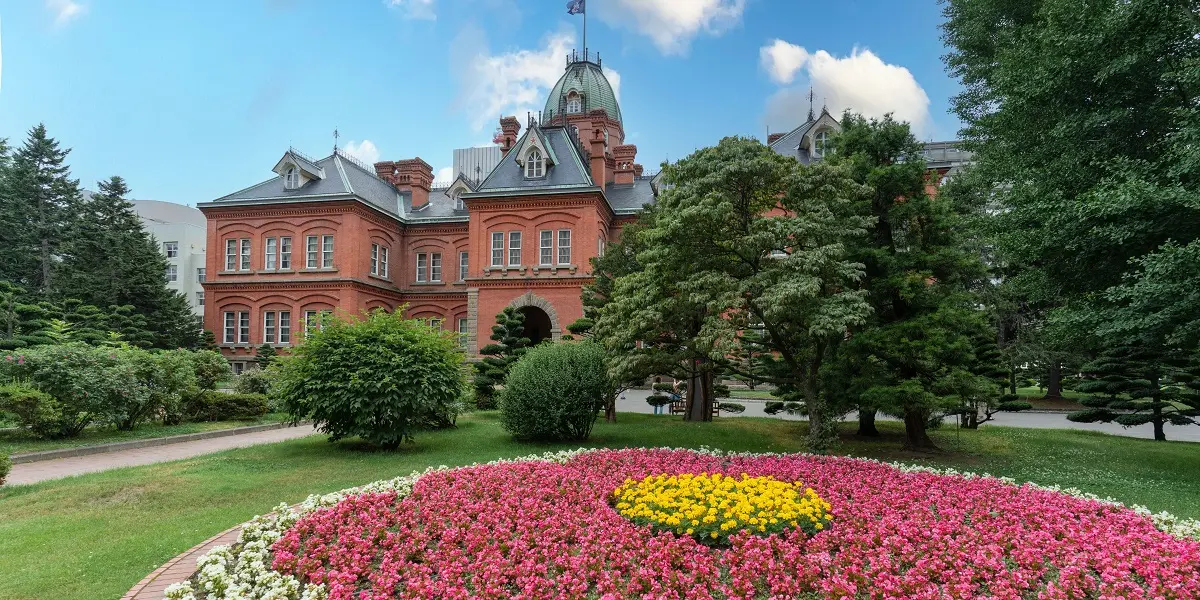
170, 222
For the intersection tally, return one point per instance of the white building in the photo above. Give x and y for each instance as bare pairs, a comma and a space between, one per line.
181, 234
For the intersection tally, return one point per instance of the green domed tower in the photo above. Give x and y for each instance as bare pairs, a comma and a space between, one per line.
582, 89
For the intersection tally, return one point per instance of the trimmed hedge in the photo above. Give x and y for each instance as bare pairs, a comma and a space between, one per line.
211, 405
554, 392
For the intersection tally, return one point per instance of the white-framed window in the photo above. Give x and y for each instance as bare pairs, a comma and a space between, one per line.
172, 273
285, 327
238, 367
535, 165
245, 262
383, 262
422, 267
243, 328
269, 331
435, 267
231, 255
497, 248
462, 331
819, 142
272, 252
201, 274
291, 179
458, 201
285, 253
327, 251
574, 103
375, 259
200, 298
171, 249
311, 250
514, 248
313, 320
230, 335
435, 322
545, 247
564, 246
601, 245
463, 265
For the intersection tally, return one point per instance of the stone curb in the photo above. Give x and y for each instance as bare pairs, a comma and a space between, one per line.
28, 457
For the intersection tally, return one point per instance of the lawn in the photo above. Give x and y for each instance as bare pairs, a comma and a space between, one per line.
96, 535
14, 441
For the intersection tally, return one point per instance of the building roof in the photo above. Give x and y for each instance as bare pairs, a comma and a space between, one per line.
568, 171
630, 198
587, 79
789, 143
169, 212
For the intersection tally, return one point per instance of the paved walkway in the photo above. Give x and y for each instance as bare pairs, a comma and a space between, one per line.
65, 467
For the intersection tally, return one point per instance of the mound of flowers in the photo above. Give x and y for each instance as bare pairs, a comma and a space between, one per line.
610, 524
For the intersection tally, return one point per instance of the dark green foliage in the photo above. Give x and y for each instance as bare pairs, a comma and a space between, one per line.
509, 344
658, 400
253, 381
731, 407
775, 407
581, 327
211, 405
31, 408
1134, 384
265, 355
555, 392
5, 466
210, 368
159, 380
208, 341
22, 323
663, 387
381, 378
86, 384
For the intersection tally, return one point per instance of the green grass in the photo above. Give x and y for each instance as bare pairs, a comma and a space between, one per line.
95, 536
16, 442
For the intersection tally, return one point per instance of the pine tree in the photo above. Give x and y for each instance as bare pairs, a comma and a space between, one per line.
1135, 384
264, 355
510, 343
85, 323
22, 324
37, 211
208, 341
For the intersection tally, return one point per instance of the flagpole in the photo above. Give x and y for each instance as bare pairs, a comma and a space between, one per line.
585, 56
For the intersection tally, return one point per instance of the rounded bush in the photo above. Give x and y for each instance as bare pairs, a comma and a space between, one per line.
5, 466
380, 378
212, 405
554, 392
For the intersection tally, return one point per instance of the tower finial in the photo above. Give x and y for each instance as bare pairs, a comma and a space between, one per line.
810, 103
335, 139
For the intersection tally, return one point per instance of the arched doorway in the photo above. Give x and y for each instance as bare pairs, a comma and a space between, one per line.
537, 325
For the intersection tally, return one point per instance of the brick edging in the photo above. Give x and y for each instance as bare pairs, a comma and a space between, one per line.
152, 578
28, 457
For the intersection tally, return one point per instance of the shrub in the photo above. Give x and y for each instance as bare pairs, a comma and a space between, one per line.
554, 392
5, 466
87, 384
381, 378
32, 409
210, 368
731, 407
160, 380
663, 387
211, 405
658, 400
253, 381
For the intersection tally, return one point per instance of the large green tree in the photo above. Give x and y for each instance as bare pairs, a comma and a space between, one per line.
742, 239
508, 345
1133, 383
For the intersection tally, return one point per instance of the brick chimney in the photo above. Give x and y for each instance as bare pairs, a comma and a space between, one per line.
624, 156
774, 136
415, 176
510, 130
596, 151
637, 170
386, 170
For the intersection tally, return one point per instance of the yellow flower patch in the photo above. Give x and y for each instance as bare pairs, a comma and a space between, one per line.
710, 508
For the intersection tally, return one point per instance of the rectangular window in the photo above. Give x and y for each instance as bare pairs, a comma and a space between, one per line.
462, 331
285, 253
463, 264
243, 328
230, 328
245, 266
199, 298
200, 274
230, 255
564, 246
238, 367
327, 251
600, 246
436, 323
311, 321
269, 327
383, 262
272, 252
422, 267
498, 249
435, 266
310, 249
172, 273
545, 247
514, 248
285, 327
374, 259
171, 248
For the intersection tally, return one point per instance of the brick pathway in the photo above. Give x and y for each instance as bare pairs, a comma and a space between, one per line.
178, 569
78, 465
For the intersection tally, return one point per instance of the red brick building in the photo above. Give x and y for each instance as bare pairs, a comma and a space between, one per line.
334, 235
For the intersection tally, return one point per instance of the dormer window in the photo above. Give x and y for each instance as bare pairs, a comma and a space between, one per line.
819, 142
574, 103
458, 201
291, 179
535, 165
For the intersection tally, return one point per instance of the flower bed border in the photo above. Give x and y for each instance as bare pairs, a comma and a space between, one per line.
240, 570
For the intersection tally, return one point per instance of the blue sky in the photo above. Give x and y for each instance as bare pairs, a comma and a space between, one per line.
193, 100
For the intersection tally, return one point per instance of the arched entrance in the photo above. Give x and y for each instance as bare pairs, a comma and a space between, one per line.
537, 325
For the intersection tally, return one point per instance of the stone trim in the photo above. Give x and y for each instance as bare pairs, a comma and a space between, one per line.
531, 299
472, 322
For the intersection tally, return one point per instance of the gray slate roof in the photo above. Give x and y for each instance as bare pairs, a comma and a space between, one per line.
630, 198
788, 145
439, 210
568, 172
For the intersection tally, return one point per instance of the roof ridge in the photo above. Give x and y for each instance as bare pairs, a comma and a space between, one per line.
337, 162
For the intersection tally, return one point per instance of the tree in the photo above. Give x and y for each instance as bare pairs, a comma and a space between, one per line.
264, 356
510, 343
918, 276
1135, 384
21, 323
36, 212
208, 341
743, 235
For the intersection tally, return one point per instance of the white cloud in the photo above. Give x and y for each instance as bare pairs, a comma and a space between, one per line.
65, 10
444, 175
671, 24
512, 83
365, 151
861, 82
414, 9
614, 79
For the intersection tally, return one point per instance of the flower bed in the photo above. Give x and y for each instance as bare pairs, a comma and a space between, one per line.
549, 527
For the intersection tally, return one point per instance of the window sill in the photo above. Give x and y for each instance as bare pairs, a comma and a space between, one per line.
429, 283
378, 278
554, 269
320, 270
246, 272
280, 271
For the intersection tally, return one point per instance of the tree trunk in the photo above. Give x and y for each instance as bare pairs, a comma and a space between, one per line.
610, 408
1054, 381
915, 435
1012, 380
700, 394
1159, 434
866, 423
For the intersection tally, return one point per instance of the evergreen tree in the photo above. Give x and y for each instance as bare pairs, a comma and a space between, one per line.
264, 355
36, 213
129, 326
510, 343
208, 341
84, 323
1135, 384
21, 323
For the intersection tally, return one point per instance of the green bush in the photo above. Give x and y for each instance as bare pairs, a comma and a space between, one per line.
253, 381
88, 384
5, 466
210, 368
663, 387
211, 405
160, 381
658, 400
731, 407
554, 392
381, 378
32, 409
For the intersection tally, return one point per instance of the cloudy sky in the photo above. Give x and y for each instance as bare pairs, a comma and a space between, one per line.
193, 100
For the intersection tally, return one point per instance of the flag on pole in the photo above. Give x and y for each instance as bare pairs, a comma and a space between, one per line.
575, 7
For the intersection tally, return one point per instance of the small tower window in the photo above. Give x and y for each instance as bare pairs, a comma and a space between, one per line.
534, 164
574, 103
819, 142
291, 179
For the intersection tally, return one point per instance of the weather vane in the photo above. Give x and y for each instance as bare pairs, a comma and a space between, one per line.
335, 138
